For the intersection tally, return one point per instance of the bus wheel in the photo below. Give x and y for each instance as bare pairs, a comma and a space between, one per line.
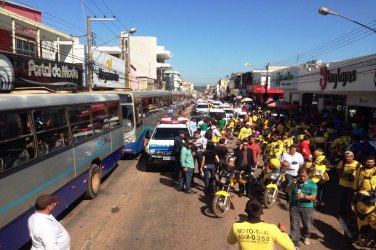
94, 181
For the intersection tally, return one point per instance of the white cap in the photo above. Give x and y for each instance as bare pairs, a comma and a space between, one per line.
247, 123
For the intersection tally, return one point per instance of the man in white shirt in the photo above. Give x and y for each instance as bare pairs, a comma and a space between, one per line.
44, 230
291, 161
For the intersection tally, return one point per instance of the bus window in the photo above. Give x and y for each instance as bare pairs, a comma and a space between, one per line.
139, 113
128, 120
16, 140
100, 118
52, 131
113, 114
79, 117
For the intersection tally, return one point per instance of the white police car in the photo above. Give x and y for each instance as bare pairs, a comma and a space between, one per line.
160, 149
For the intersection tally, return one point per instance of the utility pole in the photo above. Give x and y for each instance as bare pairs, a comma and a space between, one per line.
90, 62
266, 84
89, 57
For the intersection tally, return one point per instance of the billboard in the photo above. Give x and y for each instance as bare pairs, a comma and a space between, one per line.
24, 71
109, 71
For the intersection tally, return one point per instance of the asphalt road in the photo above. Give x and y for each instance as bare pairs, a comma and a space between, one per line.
143, 210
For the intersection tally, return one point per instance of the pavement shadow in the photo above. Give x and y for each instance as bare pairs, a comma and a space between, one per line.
331, 236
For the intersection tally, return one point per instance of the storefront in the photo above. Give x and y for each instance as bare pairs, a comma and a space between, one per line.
346, 87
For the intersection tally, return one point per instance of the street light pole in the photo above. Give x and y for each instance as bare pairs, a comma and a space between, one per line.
325, 11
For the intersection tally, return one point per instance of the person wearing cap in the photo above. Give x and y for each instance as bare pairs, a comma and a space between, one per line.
245, 162
257, 234
245, 132
44, 230
346, 170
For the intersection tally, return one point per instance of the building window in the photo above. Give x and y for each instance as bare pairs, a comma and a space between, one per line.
25, 47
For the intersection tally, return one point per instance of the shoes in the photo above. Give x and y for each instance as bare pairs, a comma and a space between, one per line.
240, 195
181, 189
306, 241
190, 192
296, 248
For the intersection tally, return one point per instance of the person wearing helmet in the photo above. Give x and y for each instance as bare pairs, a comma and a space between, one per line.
265, 235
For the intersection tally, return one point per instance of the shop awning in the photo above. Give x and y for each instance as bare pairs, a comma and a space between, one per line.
260, 89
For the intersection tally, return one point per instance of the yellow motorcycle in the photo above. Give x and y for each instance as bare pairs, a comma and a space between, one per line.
273, 179
364, 208
222, 202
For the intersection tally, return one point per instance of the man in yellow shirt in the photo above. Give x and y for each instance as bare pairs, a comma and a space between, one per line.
255, 234
346, 170
245, 132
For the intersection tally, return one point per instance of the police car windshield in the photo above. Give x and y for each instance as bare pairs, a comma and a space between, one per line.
167, 133
202, 106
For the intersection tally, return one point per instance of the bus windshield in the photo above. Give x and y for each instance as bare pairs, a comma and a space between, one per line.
128, 120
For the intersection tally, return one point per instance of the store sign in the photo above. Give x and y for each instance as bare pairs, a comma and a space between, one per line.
336, 76
283, 76
109, 71
23, 71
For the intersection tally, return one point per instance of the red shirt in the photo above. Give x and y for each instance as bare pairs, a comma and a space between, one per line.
256, 150
304, 149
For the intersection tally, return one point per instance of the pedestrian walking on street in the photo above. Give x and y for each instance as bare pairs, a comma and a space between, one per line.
244, 162
187, 166
257, 234
178, 145
346, 170
303, 192
44, 230
209, 159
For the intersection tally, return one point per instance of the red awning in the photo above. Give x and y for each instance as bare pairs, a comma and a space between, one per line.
260, 89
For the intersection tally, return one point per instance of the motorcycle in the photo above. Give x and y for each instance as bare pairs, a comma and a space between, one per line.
364, 208
319, 175
274, 180
222, 202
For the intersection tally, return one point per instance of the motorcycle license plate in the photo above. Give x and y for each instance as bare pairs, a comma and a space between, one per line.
168, 158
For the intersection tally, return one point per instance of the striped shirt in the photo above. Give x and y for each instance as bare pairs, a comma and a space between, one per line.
307, 188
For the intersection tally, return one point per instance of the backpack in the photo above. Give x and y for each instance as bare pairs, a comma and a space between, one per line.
209, 134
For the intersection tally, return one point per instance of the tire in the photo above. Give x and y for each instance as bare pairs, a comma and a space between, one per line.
94, 181
268, 198
220, 209
148, 167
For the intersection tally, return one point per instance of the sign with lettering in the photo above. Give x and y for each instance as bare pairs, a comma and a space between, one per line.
285, 78
109, 71
24, 71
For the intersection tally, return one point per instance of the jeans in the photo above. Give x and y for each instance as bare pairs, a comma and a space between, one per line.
186, 178
209, 169
346, 195
297, 214
199, 160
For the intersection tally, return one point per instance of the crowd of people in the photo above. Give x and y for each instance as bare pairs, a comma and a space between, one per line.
294, 142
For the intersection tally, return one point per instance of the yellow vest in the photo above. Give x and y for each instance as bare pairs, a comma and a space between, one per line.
349, 171
365, 179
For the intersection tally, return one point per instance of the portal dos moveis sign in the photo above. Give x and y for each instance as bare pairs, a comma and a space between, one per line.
336, 76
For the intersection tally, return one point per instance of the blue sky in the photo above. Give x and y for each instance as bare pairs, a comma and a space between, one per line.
211, 39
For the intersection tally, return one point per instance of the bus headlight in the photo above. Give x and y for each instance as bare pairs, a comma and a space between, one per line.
129, 139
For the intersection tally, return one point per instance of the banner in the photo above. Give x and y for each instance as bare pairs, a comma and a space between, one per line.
23, 71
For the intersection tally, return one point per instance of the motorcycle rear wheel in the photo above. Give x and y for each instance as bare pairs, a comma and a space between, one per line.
220, 209
269, 199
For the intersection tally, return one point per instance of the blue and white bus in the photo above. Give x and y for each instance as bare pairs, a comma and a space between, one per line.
61, 144
141, 112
